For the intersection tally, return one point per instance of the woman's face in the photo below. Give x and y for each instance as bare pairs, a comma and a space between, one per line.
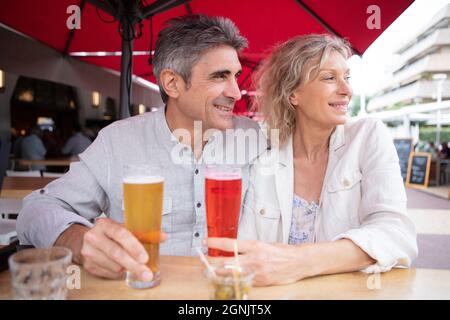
325, 98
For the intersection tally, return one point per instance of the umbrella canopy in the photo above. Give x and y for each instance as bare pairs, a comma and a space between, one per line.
264, 23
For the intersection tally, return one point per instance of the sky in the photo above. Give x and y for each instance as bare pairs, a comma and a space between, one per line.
369, 73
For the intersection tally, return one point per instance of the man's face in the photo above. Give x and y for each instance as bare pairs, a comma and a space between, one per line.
213, 89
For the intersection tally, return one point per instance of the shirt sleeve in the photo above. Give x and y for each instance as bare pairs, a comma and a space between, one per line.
77, 197
386, 233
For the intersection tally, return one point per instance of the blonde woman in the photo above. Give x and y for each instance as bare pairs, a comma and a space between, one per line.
329, 198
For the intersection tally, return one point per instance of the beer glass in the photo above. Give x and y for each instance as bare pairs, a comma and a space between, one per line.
223, 186
143, 188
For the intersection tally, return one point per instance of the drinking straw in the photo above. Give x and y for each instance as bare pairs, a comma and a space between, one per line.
205, 261
236, 254
236, 273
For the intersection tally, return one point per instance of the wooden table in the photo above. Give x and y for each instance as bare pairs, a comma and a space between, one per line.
182, 279
59, 162
19, 187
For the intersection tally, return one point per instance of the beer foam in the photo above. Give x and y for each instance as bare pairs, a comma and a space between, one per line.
143, 179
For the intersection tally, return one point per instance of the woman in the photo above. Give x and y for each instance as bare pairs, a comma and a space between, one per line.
329, 197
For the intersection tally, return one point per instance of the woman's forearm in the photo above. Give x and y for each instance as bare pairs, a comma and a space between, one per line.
334, 257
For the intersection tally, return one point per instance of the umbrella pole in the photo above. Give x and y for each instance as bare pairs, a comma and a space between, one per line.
126, 69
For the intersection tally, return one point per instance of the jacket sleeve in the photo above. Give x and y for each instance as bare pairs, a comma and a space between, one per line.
386, 233
77, 197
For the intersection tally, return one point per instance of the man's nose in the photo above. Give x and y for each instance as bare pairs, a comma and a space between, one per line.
232, 90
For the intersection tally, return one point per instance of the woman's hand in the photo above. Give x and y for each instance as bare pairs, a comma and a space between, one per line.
276, 263
273, 264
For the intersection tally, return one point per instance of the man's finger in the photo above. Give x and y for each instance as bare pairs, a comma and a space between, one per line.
99, 271
125, 239
117, 254
100, 259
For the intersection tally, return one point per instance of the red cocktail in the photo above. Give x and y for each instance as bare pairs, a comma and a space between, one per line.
223, 186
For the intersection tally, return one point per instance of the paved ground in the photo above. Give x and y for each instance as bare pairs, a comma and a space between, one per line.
431, 216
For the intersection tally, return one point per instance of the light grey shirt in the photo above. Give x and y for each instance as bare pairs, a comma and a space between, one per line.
94, 184
76, 144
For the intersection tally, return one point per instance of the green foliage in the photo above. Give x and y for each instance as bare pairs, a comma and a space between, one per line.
428, 133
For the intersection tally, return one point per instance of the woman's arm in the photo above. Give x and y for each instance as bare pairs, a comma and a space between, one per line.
276, 264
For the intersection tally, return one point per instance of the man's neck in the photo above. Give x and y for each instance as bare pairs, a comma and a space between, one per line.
177, 121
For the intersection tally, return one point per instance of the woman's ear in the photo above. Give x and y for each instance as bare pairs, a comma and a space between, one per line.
293, 99
170, 82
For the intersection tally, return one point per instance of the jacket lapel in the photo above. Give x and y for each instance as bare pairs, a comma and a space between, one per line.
284, 181
337, 140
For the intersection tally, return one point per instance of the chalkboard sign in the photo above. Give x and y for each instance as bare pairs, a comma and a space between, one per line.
418, 170
404, 148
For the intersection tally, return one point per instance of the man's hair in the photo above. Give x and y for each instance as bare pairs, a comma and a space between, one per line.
185, 39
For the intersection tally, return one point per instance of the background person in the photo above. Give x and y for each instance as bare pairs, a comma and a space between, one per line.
32, 147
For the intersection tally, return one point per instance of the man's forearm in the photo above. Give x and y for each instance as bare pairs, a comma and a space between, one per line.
72, 238
335, 257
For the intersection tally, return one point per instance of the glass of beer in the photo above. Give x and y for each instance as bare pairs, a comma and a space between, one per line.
143, 188
223, 186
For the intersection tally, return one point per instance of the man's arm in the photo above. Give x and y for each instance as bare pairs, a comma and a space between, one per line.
61, 214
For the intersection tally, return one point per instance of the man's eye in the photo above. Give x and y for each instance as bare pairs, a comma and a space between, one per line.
221, 76
329, 78
347, 78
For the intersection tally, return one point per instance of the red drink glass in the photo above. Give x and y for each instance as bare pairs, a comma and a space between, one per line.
223, 186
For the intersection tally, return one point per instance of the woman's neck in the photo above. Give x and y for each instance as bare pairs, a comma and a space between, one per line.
310, 141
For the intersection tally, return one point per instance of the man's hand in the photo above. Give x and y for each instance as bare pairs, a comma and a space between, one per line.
107, 250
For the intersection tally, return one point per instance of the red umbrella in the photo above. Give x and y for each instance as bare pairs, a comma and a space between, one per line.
264, 23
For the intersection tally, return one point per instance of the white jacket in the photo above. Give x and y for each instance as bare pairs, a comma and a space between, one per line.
362, 199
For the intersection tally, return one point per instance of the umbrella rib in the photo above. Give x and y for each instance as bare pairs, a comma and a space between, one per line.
322, 22
187, 5
161, 6
106, 6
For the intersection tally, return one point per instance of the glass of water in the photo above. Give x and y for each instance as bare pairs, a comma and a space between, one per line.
40, 274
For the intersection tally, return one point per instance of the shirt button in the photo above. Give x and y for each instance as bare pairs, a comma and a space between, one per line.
345, 182
42, 191
196, 171
199, 204
262, 212
196, 234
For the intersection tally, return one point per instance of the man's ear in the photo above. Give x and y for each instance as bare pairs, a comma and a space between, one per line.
170, 81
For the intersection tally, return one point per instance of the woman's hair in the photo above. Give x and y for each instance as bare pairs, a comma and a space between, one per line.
291, 64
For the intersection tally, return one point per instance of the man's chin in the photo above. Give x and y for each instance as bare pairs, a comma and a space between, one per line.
222, 124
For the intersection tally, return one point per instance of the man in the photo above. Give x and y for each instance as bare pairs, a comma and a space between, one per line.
77, 143
196, 64
32, 147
